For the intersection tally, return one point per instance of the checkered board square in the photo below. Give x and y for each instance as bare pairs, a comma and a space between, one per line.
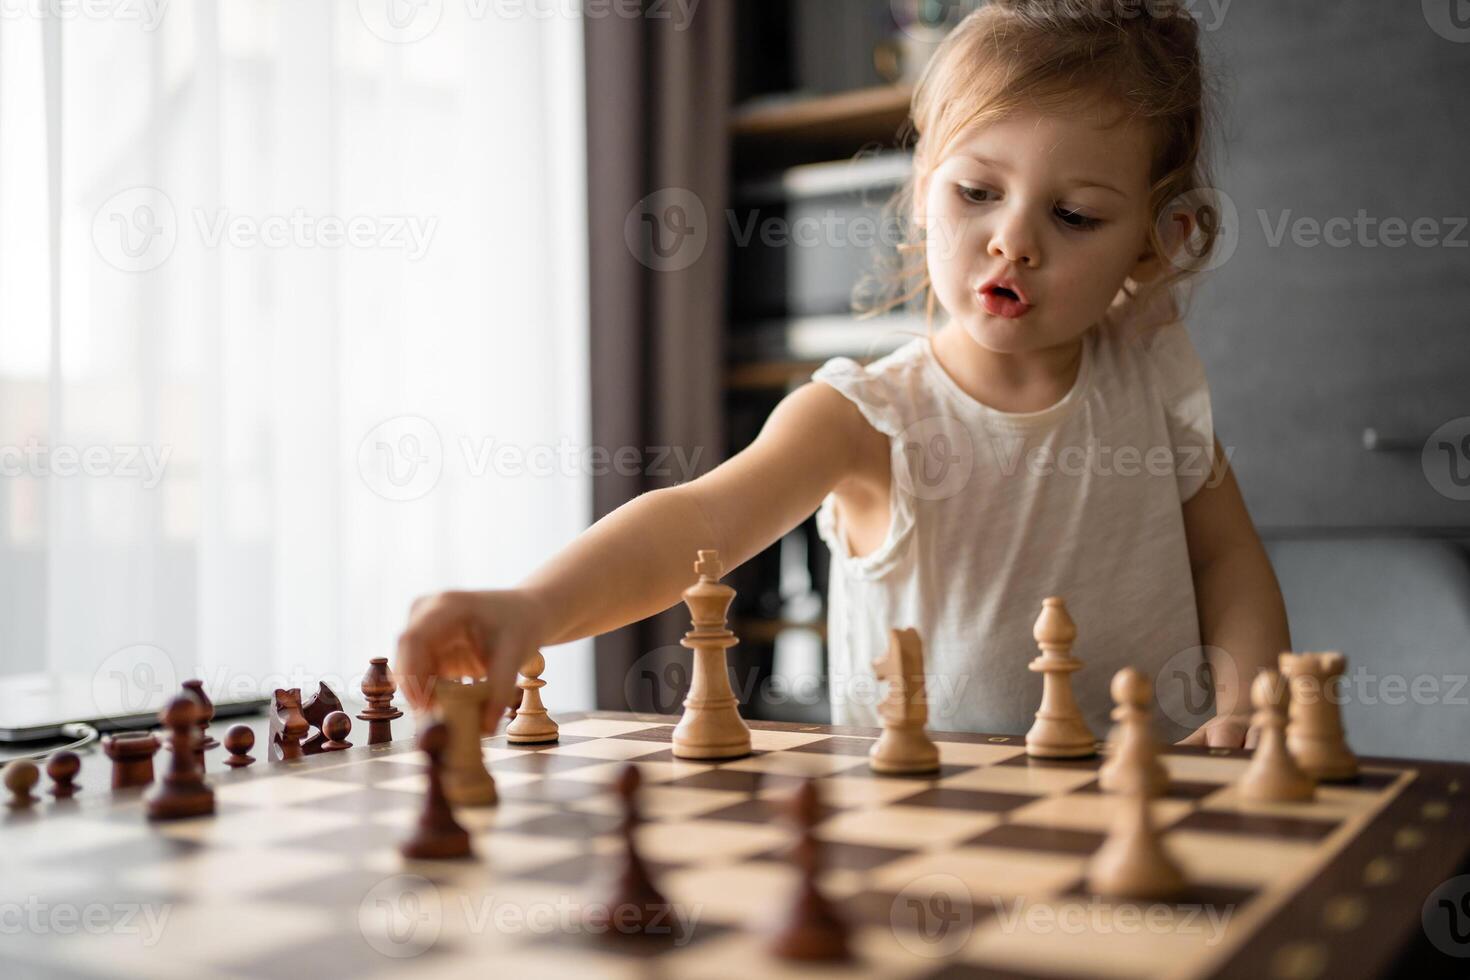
975, 871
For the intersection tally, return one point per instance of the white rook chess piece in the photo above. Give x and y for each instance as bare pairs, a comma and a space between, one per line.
1314, 732
531, 724
904, 746
711, 727
462, 707
1059, 731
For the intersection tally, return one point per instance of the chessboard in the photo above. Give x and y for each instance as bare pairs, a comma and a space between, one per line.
973, 871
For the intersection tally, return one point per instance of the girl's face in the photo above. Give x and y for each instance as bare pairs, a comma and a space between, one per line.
1057, 204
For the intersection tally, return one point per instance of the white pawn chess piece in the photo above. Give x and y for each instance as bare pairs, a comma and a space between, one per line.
1314, 730
1273, 776
1135, 753
531, 724
1059, 731
1132, 862
462, 707
904, 746
711, 727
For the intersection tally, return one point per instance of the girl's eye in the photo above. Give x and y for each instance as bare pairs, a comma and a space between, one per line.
972, 194
1078, 220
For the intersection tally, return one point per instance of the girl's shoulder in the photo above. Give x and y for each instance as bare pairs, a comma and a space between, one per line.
884, 389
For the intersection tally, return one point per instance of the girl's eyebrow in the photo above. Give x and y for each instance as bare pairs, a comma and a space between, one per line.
1074, 182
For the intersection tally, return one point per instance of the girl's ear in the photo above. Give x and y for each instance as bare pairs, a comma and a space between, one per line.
1175, 230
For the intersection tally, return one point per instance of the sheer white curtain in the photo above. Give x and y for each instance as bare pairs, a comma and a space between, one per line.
292, 329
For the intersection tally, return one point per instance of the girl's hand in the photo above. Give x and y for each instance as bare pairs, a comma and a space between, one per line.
468, 634
1225, 732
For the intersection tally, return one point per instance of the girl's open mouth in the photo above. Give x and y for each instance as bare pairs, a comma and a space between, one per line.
1000, 301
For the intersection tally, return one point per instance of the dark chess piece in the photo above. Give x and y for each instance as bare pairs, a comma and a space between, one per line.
378, 688
636, 904
812, 930
21, 777
182, 792
132, 758
206, 740
63, 767
336, 727
438, 834
315, 711
288, 726
239, 740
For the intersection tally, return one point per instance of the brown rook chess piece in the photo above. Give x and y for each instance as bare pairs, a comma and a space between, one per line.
378, 688
239, 740
812, 930
132, 758
711, 727
437, 834
63, 767
182, 792
531, 724
1059, 731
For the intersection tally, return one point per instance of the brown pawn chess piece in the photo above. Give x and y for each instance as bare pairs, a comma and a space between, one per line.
182, 792
1273, 776
288, 726
1314, 731
21, 777
336, 727
461, 707
531, 723
904, 746
378, 688
63, 767
132, 758
711, 726
437, 834
635, 903
811, 930
239, 740
1059, 731
1132, 862
206, 740
1135, 752
315, 710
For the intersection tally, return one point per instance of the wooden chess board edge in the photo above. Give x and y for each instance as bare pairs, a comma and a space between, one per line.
1333, 926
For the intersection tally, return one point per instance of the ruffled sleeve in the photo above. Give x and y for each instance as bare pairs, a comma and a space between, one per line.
874, 396
1186, 399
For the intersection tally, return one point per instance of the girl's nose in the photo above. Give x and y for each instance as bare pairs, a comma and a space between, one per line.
1012, 240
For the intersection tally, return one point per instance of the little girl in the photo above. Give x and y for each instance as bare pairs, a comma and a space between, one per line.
1053, 436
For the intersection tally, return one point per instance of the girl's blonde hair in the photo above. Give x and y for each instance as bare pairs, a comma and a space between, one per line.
1141, 56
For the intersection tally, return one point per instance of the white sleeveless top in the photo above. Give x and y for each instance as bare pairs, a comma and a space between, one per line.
991, 512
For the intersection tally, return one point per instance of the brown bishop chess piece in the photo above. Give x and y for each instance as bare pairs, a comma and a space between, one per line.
378, 688
206, 715
21, 777
437, 835
711, 726
182, 792
1273, 776
1059, 731
904, 746
635, 903
63, 767
1135, 752
132, 758
1314, 730
335, 729
531, 723
288, 726
812, 929
239, 740
315, 710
